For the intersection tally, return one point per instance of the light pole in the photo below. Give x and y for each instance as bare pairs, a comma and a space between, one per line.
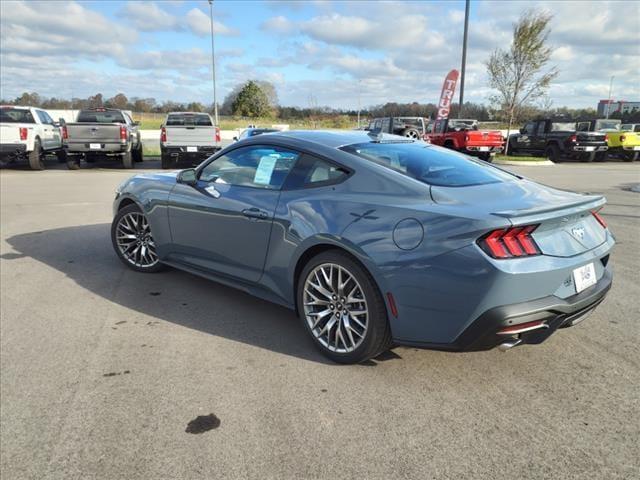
464, 56
609, 97
359, 84
213, 66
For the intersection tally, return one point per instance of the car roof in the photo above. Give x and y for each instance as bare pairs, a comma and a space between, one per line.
337, 138
187, 113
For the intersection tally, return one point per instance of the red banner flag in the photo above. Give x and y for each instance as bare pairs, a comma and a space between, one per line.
446, 97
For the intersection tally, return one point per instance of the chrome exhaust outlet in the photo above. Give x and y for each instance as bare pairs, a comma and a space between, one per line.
503, 347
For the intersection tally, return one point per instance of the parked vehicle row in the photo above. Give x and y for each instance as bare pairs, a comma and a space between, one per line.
624, 144
28, 134
464, 136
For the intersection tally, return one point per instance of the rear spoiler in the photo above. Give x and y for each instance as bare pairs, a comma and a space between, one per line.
590, 202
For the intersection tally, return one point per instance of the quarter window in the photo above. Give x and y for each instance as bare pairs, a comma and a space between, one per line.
256, 166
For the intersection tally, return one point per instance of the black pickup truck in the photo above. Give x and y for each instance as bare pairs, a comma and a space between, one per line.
557, 139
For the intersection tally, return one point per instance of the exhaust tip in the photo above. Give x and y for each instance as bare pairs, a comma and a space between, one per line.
503, 347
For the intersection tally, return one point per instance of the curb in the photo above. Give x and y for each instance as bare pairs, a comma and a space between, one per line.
528, 163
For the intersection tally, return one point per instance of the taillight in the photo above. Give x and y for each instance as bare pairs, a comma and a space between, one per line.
65, 133
23, 133
163, 135
123, 133
218, 135
606, 138
622, 138
573, 138
510, 242
466, 138
599, 218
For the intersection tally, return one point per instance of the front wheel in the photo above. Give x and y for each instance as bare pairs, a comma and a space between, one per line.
36, 156
133, 242
342, 309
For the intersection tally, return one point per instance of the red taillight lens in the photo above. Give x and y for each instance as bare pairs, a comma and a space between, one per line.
65, 133
573, 138
163, 135
466, 138
123, 133
23, 133
510, 242
217, 135
622, 138
606, 138
599, 218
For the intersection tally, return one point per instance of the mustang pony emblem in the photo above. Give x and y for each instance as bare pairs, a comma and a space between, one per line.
578, 232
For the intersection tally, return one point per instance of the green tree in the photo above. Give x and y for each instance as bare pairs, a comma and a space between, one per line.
517, 73
251, 101
119, 101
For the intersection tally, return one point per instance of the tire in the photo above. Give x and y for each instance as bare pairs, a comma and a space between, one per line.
73, 162
601, 157
61, 155
589, 157
411, 133
355, 344
127, 160
485, 156
138, 155
36, 156
552, 153
631, 156
167, 162
129, 251
449, 145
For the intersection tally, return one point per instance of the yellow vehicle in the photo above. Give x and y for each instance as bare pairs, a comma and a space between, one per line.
623, 144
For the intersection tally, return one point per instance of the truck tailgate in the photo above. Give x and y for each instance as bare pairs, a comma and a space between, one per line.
9, 133
477, 138
93, 133
192, 135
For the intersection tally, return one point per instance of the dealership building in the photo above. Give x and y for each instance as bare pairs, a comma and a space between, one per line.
621, 106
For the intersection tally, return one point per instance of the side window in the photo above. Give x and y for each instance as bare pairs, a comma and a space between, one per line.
386, 125
42, 116
258, 166
127, 118
530, 128
540, 129
311, 171
377, 125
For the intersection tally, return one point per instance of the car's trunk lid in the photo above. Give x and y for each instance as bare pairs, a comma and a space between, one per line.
566, 226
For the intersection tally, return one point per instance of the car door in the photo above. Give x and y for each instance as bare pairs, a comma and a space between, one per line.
539, 137
524, 141
46, 137
56, 137
222, 223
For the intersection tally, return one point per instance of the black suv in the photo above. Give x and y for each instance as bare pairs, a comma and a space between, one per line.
557, 139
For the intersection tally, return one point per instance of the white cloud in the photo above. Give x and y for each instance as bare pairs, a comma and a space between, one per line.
149, 17
277, 24
200, 24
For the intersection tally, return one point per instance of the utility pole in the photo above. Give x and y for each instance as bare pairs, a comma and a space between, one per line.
464, 56
213, 66
359, 84
609, 97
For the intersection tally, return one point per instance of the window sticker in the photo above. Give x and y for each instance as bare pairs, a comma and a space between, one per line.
265, 170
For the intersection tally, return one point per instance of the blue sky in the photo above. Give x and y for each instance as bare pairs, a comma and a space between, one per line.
322, 52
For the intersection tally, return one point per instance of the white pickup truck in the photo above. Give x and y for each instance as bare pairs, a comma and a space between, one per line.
28, 133
188, 136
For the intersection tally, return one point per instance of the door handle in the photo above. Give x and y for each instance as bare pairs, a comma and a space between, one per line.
255, 213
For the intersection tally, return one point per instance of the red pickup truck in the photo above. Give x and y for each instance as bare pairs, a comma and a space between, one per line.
464, 136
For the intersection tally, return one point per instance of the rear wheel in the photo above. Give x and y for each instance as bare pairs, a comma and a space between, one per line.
553, 153
342, 308
167, 161
588, 157
485, 156
127, 160
138, 156
36, 156
133, 242
631, 156
601, 156
61, 155
73, 162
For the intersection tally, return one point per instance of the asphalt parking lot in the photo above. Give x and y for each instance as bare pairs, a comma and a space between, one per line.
103, 369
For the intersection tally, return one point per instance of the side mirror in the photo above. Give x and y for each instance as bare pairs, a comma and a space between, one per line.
188, 177
62, 121
522, 130
235, 139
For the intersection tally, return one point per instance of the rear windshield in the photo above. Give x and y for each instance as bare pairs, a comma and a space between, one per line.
563, 127
92, 116
177, 120
428, 164
15, 115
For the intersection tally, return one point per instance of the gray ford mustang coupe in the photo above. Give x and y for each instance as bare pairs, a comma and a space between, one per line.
375, 240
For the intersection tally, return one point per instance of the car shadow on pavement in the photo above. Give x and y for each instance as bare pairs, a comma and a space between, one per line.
85, 255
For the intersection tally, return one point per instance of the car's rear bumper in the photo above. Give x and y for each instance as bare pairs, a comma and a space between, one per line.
11, 149
181, 153
552, 312
105, 148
